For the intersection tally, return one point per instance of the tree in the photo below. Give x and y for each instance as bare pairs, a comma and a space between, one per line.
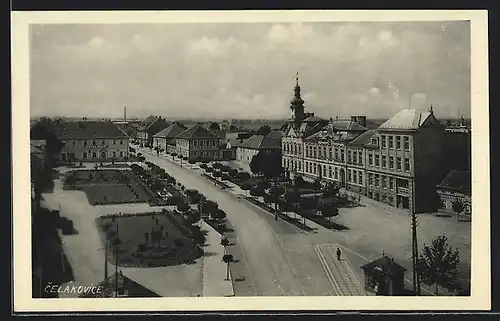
258, 163
329, 210
299, 181
263, 130
208, 207
192, 161
247, 185
71, 180
224, 242
331, 190
438, 264
458, 207
217, 165
183, 207
243, 176
141, 248
228, 258
257, 191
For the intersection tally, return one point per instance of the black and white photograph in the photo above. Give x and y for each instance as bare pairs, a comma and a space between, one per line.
235, 159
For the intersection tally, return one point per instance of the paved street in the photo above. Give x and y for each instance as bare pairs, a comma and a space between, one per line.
272, 270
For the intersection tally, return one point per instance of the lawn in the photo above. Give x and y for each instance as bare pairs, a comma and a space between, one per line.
164, 244
108, 186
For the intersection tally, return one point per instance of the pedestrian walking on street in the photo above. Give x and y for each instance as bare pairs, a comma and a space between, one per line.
339, 253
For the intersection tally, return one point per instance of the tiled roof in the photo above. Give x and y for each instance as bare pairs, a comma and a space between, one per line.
276, 134
407, 119
364, 138
348, 125
158, 124
88, 129
314, 119
261, 142
236, 142
196, 131
458, 181
170, 132
385, 263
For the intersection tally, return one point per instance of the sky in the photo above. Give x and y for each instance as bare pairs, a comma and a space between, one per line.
248, 70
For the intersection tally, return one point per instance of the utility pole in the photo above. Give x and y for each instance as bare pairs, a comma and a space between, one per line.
106, 260
116, 261
416, 278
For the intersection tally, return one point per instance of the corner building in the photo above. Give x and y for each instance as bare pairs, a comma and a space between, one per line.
399, 163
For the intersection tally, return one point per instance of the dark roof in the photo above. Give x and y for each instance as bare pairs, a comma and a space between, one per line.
348, 125
170, 132
88, 129
261, 142
276, 134
236, 142
457, 181
156, 125
385, 263
314, 119
364, 138
196, 131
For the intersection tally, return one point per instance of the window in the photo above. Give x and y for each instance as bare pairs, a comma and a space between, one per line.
84, 155
300, 150
300, 167
391, 142
121, 142
399, 164
330, 172
349, 157
114, 154
103, 142
74, 143
384, 161
370, 159
307, 167
360, 157
360, 177
349, 177
407, 164
336, 153
342, 155
93, 142
398, 142
377, 160
330, 156
383, 138
374, 141
383, 179
336, 173
314, 151
324, 152
370, 179
391, 183
391, 162
94, 154
324, 170
84, 143
407, 143
114, 141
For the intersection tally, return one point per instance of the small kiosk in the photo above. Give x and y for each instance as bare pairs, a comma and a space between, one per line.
384, 277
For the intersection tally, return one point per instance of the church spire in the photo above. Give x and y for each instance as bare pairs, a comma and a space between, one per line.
297, 103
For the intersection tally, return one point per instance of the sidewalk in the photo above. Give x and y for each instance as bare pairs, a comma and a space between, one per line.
214, 269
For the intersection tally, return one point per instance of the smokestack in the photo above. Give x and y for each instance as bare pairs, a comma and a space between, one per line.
125, 114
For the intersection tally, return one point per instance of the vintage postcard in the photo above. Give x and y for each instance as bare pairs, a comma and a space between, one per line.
250, 160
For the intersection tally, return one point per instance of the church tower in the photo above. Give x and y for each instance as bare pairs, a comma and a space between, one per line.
297, 104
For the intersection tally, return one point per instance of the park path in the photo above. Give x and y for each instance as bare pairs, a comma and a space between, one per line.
87, 258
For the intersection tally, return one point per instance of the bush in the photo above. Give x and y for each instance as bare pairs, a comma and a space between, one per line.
192, 161
178, 242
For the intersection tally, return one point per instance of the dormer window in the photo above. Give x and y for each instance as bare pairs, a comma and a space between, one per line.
374, 141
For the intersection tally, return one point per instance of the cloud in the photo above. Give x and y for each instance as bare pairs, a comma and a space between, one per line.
248, 70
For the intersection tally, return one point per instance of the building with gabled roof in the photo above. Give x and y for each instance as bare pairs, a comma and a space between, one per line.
456, 186
166, 138
149, 127
258, 143
198, 142
91, 141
